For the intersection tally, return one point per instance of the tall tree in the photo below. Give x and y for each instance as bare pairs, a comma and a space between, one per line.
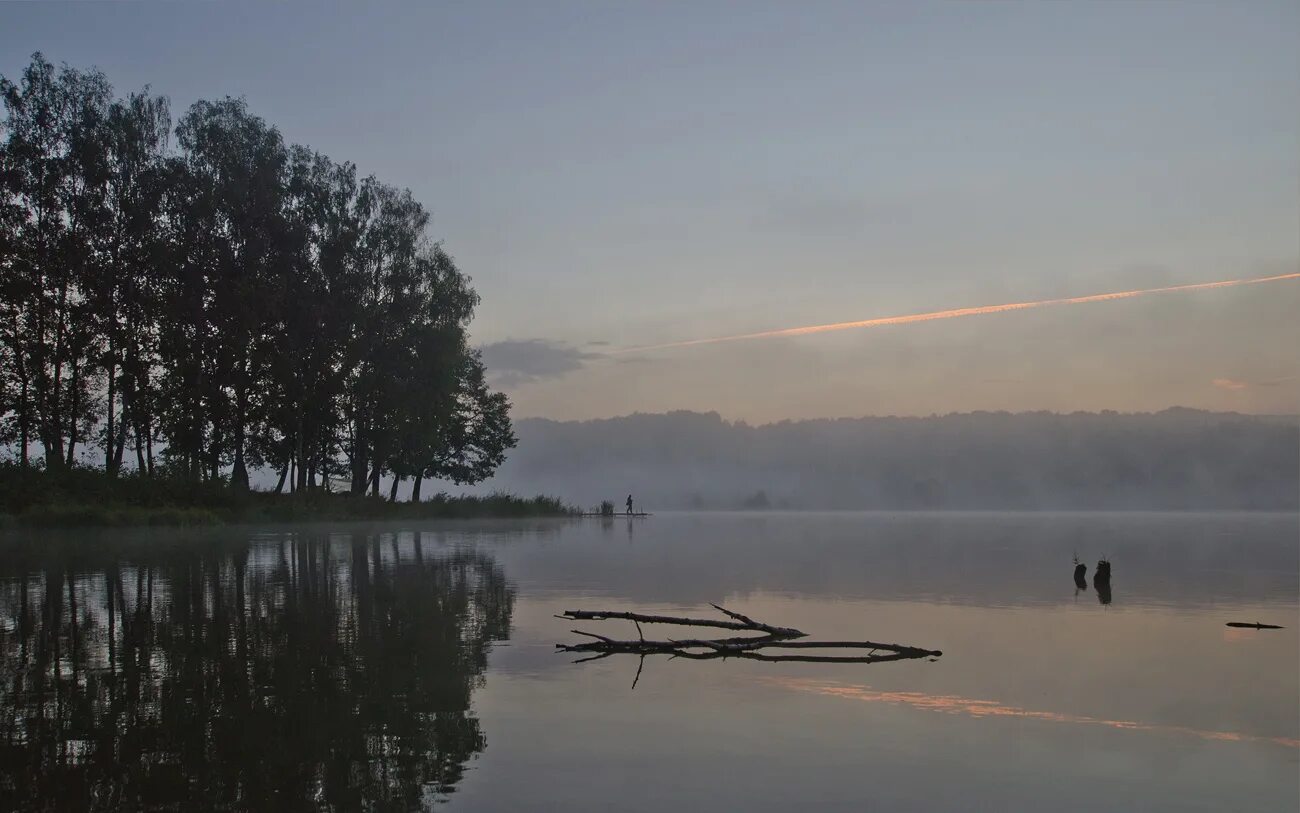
186, 340
393, 235
318, 283
122, 293
238, 303
15, 386
471, 437
54, 121
238, 163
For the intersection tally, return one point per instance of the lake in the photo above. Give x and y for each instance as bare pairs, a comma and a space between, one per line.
414, 666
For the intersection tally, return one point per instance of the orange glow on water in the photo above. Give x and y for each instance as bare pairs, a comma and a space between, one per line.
958, 312
953, 704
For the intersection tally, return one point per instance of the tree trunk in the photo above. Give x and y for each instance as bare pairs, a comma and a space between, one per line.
284, 475
139, 444
299, 452
119, 446
75, 408
324, 458
54, 417
358, 485
360, 463
109, 445
128, 408
392, 492
24, 392
239, 472
24, 431
131, 405
415, 489
148, 442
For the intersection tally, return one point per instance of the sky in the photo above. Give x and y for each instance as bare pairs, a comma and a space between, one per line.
621, 175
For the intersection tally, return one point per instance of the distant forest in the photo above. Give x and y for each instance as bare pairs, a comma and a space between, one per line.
1178, 459
229, 303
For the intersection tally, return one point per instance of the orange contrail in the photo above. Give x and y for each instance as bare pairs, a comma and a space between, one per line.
953, 314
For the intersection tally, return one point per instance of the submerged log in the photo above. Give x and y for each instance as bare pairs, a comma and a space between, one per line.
750, 647
740, 622
1254, 626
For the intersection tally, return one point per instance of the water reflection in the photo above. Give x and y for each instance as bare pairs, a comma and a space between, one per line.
303, 671
952, 704
1103, 590
998, 560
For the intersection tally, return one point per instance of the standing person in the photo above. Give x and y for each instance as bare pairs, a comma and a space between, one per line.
629, 505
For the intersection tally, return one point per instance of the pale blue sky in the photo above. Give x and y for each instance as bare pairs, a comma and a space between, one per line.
643, 173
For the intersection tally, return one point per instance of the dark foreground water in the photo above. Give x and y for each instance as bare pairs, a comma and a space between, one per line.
349, 668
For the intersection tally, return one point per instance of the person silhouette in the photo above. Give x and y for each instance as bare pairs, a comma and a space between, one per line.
629, 505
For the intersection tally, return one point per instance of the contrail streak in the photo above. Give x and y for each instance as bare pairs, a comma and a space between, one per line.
954, 314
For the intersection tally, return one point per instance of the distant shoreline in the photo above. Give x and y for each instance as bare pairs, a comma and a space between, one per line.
1178, 459
80, 498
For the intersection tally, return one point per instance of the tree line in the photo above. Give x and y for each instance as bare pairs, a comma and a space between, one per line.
1177, 459
226, 302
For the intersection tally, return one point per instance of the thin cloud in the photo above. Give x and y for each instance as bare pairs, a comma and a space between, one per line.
515, 362
1229, 384
1235, 385
1277, 382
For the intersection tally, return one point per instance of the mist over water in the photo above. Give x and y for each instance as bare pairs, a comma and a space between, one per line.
414, 666
1178, 459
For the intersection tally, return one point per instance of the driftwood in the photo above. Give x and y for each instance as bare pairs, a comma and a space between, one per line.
1254, 626
749, 647
738, 622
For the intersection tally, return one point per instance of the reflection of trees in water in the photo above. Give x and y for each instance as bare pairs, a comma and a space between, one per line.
308, 674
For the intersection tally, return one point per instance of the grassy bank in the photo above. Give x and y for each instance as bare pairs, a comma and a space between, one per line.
86, 497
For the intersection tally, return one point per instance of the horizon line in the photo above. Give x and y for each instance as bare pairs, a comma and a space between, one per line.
919, 417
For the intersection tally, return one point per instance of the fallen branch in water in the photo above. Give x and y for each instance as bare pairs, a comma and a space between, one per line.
1255, 626
749, 647
739, 622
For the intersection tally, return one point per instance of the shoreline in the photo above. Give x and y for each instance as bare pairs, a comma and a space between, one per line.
86, 498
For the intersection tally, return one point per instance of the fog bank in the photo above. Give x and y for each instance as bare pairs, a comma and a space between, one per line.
1178, 459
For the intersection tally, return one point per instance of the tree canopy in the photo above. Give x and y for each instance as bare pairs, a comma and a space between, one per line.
226, 302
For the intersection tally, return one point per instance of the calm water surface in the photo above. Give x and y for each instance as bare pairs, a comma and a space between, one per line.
401, 667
